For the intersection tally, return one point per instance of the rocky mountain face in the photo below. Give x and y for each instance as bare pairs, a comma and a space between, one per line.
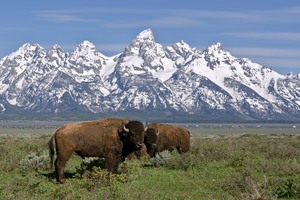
146, 76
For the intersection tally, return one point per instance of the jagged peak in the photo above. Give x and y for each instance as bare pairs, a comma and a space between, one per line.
290, 74
27, 49
145, 37
86, 45
141, 43
28, 45
84, 48
146, 34
215, 47
183, 44
183, 49
56, 47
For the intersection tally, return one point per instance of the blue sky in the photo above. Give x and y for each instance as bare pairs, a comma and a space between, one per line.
265, 31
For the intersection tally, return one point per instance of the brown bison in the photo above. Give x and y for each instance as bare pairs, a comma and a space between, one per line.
149, 146
168, 137
112, 139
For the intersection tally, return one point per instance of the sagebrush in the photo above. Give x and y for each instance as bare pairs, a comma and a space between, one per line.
239, 167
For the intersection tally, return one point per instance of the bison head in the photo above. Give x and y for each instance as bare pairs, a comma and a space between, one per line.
133, 133
151, 137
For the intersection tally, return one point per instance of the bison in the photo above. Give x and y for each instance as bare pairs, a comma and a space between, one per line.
167, 137
112, 139
149, 146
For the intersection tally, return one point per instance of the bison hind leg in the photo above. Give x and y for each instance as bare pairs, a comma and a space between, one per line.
60, 164
59, 170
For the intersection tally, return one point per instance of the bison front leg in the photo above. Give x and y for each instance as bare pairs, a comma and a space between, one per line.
112, 162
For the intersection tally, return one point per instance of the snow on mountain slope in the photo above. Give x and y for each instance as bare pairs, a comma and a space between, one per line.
146, 76
144, 55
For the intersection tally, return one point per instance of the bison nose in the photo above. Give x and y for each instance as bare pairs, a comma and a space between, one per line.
153, 146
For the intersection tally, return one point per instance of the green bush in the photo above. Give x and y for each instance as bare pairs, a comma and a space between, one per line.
233, 167
288, 187
161, 158
35, 161
101, 177
94, 175
131, 168
89, 163
183, 161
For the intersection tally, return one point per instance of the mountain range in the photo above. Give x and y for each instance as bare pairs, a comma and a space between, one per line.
148, 77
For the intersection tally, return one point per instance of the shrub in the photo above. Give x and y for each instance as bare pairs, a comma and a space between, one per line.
161, 158
88, 163
285, 187
131, 168
94, 175
101, 177
35, 161
245, 185
182, 161
174, 160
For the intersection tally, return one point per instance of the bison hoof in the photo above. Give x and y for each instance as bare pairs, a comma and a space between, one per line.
62, 181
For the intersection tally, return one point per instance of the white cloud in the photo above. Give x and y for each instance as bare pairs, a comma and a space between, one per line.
161, 22
10, 27
266, 35
169, 17
118, 48
283, 60
283, 63
266, 52
58, 17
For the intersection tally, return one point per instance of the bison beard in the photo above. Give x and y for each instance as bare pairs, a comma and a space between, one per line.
138, 154
112, 139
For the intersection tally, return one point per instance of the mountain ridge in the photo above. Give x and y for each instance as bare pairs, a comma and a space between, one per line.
146, 76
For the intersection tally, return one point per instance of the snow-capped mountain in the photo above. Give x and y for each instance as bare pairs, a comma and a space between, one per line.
145, 76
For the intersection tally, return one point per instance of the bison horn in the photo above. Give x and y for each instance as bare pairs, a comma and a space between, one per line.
125, 129
146, 128
157, 133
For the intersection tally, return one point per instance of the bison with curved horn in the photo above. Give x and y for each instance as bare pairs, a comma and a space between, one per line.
160, 137
112, 139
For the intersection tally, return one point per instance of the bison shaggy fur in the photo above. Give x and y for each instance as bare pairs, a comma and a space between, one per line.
169, 137
112, 139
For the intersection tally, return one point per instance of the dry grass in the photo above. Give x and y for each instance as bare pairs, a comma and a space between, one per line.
221, 167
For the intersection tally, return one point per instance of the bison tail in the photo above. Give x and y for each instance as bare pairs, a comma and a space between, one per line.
51, 148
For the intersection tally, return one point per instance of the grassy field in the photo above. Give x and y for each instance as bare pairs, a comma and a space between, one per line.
244, 163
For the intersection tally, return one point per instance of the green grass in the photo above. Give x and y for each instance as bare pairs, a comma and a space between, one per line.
221, 167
